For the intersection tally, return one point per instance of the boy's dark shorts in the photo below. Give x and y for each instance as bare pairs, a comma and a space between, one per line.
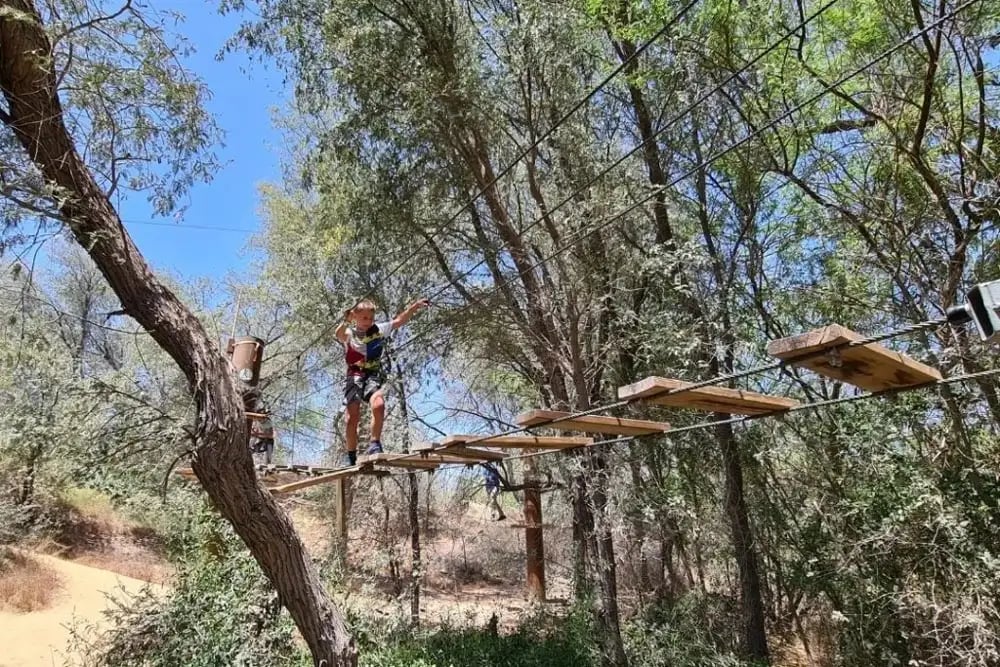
362, 387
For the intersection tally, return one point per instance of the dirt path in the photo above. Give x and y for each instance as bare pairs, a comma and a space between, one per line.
39, 638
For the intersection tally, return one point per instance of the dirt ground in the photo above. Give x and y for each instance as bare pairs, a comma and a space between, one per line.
40, 638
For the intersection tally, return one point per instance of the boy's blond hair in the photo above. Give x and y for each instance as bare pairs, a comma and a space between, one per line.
365, 304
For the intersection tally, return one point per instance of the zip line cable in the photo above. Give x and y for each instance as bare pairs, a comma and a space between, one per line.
803, 407
690, 107
720, 379
826, 88
548, 133
525, 152
673, 121
666, 126
658, 190
733, 376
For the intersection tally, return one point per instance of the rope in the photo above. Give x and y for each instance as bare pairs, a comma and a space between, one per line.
816, 405
673, 121
757, 132
295, 407
826, 88
720, 379
525, 152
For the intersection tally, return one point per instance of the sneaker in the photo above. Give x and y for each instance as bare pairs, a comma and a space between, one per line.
350, 459
374, 448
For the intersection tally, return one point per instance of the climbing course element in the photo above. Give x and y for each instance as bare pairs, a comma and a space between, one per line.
871, 367
518, 441
343, 473
673, 393
590, 423
458, 453
396, 461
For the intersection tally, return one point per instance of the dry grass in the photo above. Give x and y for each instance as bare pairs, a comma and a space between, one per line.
90, 504
25, 584
129, 562
93, 533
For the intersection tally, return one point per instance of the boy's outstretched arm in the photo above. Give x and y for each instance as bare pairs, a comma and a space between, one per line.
410, 311
341, 331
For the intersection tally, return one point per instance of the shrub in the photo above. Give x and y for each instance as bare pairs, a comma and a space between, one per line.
540, 641
222, 611
25, 583
698, 630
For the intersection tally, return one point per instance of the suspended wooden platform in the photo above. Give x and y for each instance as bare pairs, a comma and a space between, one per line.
871, 367
520, 441
591, 423
343, 473
275, 476
397, 461
710, 399
456, 454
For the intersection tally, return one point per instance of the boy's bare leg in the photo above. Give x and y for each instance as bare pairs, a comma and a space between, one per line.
377, 404
351, 421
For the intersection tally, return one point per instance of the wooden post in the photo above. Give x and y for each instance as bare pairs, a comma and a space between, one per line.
534, 543
341, 511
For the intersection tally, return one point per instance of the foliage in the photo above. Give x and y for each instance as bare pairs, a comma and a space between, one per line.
221, 610
694, 631
537, 641
137, 114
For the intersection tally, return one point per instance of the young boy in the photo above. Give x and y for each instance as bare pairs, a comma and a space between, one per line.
364, 344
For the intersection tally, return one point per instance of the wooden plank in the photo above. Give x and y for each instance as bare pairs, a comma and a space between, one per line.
709, 399
591, 423
475, 453
313, 481
520, 441
871, 367
396, 460
445, 456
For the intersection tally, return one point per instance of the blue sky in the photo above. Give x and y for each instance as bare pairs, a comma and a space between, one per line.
244, 95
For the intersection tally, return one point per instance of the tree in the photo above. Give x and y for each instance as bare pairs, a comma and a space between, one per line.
35, 117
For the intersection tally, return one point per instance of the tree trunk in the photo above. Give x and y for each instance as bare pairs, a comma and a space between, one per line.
416, 571
613, 653
221, 459
754, 632
415, 567
583, 528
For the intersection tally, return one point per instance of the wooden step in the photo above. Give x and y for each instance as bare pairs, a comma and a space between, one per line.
469, 454
321, 479
591, 423
520, 441
871, 367
396, 460
710, 399
458, 452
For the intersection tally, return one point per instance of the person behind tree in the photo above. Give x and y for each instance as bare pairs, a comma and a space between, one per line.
492, 483
262, 439
364, 344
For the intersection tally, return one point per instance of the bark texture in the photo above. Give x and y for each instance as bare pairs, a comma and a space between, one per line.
222, 459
